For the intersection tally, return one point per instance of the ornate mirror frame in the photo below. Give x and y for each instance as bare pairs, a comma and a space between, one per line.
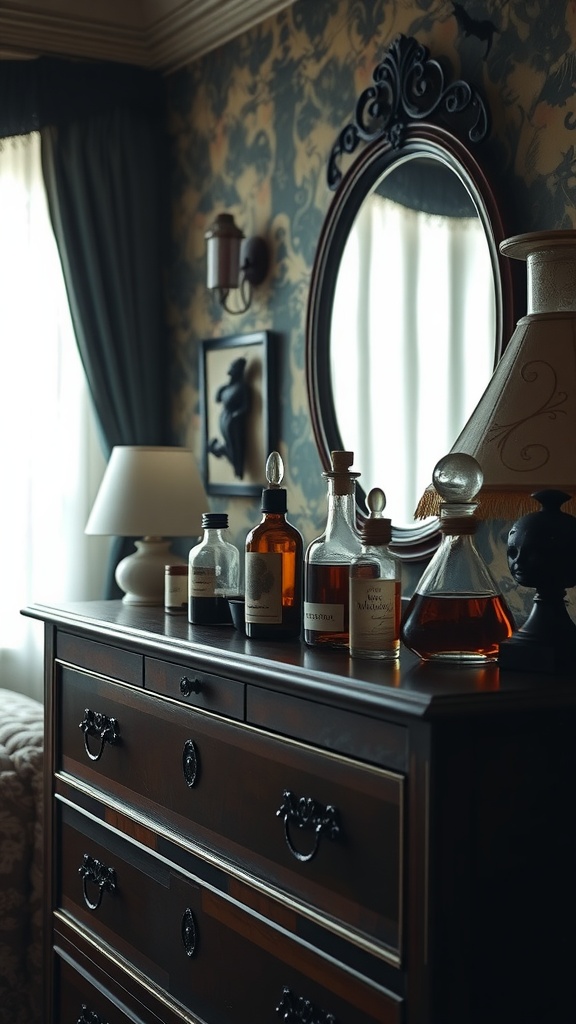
410, 109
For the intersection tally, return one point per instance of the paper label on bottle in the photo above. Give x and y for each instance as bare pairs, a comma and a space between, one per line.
324, 618
263, 587
374, 615
202, 581
175, 592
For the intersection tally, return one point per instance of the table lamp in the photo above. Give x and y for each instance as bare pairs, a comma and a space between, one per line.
522, 433
153, 493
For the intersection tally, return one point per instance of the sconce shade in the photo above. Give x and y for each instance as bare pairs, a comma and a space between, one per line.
153, 493
523, 430
233, 262
223, 241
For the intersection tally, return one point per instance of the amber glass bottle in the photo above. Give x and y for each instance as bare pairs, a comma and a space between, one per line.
274, 559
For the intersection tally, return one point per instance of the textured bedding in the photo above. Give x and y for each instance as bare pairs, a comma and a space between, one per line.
21, 759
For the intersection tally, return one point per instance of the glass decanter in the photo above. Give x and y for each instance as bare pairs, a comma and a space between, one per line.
457, 613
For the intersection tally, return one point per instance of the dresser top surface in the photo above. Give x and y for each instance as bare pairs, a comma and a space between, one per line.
420, 689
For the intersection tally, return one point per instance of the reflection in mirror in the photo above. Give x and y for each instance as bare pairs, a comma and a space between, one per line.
413, 327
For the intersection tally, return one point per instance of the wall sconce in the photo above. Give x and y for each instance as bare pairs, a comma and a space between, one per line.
234, 262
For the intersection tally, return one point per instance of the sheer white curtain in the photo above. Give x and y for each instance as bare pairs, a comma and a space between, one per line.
413, 310
51, 461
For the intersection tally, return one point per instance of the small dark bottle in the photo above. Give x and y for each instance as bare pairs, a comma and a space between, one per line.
213, 573
274, 561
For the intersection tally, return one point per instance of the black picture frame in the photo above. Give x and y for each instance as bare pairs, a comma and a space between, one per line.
217, 356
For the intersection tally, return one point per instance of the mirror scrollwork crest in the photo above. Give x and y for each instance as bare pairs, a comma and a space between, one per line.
410, 302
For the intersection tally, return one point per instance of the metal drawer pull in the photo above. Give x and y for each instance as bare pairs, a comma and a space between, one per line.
97, 873
96, 724
89, 1017
296, 1010
306, 813
188, 930
190, 763
188, 686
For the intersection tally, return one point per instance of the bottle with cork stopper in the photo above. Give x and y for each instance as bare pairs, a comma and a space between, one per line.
375, 588
327, 562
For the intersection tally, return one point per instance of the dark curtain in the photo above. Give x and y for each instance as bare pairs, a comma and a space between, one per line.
103, 183
102, 154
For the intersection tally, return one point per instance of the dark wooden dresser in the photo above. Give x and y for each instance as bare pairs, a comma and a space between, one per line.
246, 832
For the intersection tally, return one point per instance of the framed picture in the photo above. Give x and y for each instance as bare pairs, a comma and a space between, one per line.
237, 408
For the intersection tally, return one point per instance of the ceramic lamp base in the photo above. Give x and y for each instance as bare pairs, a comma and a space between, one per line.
141, 574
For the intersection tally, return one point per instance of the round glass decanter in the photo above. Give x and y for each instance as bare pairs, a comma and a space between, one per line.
457, 613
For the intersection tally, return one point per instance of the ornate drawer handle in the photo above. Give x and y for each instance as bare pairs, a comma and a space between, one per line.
89, 1017
96, 724
189, 932
188, 686
95, 871
295, 1010
190, 763
306, 813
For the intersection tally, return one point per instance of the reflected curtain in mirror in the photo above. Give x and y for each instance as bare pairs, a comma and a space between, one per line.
415, 303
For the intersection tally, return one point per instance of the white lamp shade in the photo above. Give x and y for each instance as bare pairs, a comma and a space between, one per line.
149, 492
522, 431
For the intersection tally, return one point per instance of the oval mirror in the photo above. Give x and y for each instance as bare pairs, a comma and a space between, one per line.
410, 302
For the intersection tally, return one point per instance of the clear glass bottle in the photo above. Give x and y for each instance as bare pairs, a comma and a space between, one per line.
327, 561
213, 573
457, 613
375, 588
273, 565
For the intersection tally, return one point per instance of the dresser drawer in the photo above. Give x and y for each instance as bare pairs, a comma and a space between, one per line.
209, 954
81, 1000
85, 994
197, 688
320, 829
101, 658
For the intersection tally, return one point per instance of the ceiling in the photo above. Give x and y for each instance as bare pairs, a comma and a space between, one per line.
164, 34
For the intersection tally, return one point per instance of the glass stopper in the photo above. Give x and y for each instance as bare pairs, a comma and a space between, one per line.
376, 502
274, 469
457, 477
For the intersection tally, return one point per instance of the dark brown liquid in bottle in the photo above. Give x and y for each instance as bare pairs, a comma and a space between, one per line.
209, 611
465, 627
276, 535
328, 584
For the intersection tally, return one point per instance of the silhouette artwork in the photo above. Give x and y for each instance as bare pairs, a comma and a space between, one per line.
235, 398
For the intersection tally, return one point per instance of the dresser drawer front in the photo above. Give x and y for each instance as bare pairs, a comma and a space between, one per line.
321, 829
101, 658
213, 957
83, 994
198, 688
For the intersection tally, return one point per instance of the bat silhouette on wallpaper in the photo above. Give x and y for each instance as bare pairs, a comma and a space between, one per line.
482, 30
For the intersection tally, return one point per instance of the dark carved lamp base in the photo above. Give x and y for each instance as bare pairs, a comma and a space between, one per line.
546, 642
542, 554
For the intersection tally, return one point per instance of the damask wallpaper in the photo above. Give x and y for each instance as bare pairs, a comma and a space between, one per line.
251, 126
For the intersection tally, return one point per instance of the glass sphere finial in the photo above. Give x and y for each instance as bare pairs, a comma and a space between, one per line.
274, 469
457, 477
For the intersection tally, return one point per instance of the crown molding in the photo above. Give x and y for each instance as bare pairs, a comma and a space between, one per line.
160, 34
